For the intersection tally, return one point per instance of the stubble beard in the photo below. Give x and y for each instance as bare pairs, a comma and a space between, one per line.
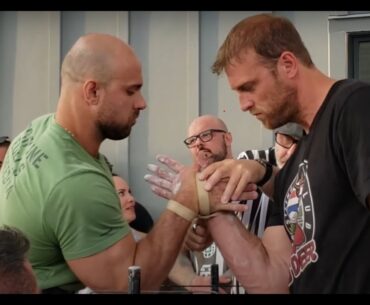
113, 131
109, 129
284, 106
210, 157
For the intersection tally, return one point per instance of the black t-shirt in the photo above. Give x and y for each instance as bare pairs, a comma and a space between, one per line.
321, 196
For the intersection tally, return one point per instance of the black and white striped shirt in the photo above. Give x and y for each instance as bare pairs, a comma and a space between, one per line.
255, 217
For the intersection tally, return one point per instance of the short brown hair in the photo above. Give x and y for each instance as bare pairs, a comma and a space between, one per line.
4, 141
268, 35
14, 277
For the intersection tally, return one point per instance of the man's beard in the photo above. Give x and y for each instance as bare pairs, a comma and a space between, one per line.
208, 157
285, 106
113, 131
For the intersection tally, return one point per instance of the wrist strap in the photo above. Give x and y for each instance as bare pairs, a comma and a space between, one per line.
181, 210
268, 172
203, 202
203, 198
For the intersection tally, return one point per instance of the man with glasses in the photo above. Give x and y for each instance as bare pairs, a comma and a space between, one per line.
4, 145
286, 138
210, 141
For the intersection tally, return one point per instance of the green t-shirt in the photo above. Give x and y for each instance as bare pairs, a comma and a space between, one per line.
61, 197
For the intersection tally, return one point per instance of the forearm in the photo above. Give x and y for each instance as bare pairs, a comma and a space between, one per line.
156, 254
259, 268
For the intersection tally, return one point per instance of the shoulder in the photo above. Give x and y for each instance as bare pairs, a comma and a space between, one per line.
350, 100
43, 121
83, 190
349, 90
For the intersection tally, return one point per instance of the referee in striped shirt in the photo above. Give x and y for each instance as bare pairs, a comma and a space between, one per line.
285, 139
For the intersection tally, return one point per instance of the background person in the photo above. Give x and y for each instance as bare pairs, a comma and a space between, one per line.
16, 275
286, 138
210, 141
4, 145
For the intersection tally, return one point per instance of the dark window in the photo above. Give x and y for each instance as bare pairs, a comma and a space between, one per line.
359, 56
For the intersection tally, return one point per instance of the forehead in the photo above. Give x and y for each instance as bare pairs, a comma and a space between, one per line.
129, 70
120, 183
202, 125
245, 68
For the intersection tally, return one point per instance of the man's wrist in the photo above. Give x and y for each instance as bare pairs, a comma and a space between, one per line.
268, 172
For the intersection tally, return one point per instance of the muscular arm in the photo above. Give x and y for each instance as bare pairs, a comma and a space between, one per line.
261, 266
155, 254
108, 270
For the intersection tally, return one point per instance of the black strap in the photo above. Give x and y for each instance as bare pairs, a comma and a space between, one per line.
268, 172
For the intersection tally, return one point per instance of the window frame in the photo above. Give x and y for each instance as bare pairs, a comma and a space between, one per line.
354, 40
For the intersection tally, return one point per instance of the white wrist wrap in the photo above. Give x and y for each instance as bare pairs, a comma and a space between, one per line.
181, 210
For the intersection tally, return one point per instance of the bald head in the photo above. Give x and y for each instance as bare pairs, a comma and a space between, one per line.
100, 95
205, 122
95, 56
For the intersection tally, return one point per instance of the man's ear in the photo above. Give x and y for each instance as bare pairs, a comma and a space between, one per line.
228, 138
288, 64
91, 92
290, 151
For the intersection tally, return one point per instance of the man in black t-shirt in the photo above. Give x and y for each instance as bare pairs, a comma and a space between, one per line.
317, 239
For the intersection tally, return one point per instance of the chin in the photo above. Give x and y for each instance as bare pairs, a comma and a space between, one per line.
130, 216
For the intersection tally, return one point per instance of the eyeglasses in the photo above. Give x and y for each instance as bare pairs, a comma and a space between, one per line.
4, 139
285, 140
204, 136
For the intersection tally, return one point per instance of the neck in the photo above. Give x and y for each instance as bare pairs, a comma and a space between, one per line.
82, 130
313, 90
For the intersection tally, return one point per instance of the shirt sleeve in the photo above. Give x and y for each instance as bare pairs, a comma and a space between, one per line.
84, 214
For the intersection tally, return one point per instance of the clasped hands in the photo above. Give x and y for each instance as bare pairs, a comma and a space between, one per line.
226, 182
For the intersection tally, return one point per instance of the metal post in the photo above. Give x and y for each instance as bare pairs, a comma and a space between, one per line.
214, 278
134, 274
